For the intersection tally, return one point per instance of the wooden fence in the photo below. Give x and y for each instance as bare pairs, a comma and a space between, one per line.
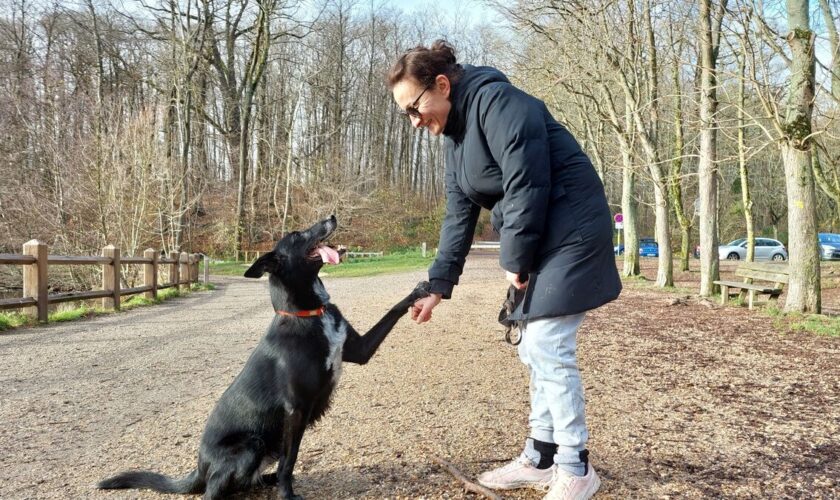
183, 270
252, 255
485, 245
363, 255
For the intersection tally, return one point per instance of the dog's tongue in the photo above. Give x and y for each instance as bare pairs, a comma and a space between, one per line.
328, 255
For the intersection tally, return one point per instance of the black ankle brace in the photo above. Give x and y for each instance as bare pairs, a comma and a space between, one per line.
546, 451
584, 457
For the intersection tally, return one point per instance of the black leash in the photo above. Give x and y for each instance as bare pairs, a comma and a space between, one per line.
513, 329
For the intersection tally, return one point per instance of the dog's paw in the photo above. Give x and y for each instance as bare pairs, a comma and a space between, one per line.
421, 290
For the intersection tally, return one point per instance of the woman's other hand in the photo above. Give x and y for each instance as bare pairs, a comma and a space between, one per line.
513, 278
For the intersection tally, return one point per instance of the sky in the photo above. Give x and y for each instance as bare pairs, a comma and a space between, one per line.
467, 11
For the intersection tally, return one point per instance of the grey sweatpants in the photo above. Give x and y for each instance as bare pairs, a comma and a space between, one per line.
549, 349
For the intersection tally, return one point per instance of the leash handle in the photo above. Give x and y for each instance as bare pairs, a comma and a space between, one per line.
509, 335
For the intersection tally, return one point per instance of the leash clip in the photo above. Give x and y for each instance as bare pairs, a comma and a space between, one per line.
513, 329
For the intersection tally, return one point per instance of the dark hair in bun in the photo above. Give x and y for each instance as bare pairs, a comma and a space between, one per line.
424, 64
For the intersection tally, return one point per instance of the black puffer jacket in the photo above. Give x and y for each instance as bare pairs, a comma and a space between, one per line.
505, 153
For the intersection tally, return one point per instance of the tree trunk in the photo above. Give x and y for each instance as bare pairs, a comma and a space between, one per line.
684, 221
803, 293
253, 75
707, 167
746, 199
629, 209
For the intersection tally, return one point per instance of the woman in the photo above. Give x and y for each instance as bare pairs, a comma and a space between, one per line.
505, 153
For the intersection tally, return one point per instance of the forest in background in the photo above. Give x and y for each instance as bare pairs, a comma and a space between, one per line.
216, 125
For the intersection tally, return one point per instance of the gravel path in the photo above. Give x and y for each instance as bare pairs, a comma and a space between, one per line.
684, 401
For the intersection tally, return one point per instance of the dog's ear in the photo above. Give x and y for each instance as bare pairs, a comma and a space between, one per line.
265, 264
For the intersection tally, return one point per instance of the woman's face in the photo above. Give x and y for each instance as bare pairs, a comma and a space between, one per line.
425, 106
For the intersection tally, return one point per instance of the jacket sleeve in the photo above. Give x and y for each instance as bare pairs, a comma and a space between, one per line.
456, 236
513, 123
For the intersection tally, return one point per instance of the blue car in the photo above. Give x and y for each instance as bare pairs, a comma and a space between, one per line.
648, 247
829, 246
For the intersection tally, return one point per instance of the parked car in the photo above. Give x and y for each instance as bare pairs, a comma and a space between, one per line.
829, 246
765, 249
647, 248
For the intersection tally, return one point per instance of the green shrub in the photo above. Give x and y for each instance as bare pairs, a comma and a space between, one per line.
71, 314
13, 320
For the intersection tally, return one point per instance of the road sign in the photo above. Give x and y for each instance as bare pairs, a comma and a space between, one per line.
619, 225
619, 218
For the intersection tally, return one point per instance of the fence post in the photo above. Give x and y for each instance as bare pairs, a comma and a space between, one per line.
150, 272
174, 279
194, 259
206, 268
185, 271
35, 279
190, 261
111, 277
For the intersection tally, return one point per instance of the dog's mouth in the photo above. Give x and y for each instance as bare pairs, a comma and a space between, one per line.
326, 253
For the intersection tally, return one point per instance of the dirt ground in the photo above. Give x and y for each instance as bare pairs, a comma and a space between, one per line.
683, 401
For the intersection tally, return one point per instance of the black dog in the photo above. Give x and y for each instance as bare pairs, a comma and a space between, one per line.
287, 382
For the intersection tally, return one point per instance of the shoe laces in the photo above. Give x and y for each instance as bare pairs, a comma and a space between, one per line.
559, 479
524, 460
521, 460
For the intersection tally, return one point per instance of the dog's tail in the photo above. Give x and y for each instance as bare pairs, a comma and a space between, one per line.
191, 483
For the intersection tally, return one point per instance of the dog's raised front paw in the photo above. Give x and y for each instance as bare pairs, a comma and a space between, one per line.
421, 290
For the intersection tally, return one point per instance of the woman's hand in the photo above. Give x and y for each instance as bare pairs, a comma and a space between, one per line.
514, 280
421, 311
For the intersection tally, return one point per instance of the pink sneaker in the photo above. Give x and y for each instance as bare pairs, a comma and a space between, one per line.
521, 473
565, 486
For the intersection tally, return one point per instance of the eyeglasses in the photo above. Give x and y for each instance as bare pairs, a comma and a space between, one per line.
411, 110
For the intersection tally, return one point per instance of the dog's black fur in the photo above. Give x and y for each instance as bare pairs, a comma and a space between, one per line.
285, 385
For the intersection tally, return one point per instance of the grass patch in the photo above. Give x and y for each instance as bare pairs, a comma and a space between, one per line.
814, 323
228, 268
13, 320
642, 282
168, 293
71, 314
408, 260
636, 277
136, 301
140, 300
773, 311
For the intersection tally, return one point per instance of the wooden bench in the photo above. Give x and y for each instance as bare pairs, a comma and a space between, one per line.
777, 274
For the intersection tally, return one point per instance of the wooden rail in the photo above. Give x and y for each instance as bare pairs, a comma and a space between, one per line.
363, 255
35, 259
485, 245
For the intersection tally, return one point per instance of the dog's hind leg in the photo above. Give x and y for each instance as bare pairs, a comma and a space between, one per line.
235, 468
220, 481
293, 426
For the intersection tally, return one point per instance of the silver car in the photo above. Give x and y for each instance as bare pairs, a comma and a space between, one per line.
829, 246
765, 249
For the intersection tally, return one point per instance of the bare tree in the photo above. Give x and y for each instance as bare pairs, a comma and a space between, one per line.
711, 18
803, 294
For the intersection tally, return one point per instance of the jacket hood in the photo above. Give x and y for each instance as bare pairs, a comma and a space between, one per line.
462, 94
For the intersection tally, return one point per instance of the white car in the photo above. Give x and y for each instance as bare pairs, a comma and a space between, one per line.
765, 249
